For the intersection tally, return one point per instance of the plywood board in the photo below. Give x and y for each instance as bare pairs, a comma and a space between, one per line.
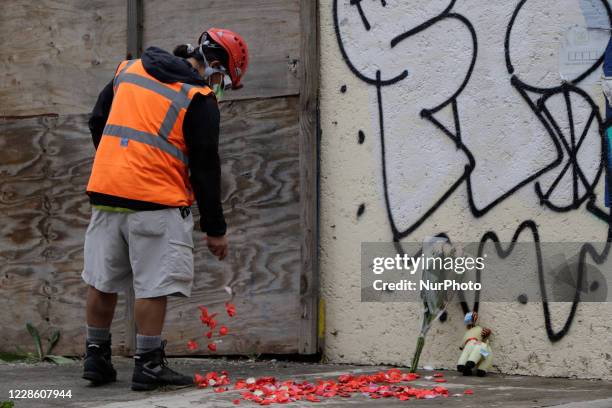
58, 54
309, 161
44, 166
259, 151
270, 28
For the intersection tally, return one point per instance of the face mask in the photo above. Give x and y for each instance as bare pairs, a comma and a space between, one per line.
220, 86
218, 89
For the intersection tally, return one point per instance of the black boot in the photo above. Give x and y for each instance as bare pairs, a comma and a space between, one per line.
467, 370
97, 367
151, 371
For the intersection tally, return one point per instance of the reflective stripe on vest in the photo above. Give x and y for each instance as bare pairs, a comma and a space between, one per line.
180, 100
146, 138
127, 65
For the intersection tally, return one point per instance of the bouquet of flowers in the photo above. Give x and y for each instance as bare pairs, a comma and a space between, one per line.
435, 301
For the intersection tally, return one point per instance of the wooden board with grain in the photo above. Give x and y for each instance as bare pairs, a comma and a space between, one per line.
309, 161
259, 151
58, 54
270, 28
45, 213
44, 166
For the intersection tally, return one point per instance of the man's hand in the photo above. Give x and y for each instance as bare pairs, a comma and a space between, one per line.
218, 246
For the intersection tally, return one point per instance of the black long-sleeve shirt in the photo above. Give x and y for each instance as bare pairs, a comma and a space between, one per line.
201, 132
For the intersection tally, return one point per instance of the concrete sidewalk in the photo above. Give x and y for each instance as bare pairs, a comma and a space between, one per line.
492, 391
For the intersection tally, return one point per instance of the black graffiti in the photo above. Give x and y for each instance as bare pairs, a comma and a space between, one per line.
536, 99
354, 70
364, 19
586, 249
571, 148
360, 210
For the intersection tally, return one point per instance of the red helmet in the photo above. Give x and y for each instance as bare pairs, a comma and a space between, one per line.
236, 49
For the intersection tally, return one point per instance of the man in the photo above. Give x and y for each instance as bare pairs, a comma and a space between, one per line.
155, 127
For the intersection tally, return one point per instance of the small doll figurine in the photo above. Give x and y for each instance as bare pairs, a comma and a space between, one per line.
476, 350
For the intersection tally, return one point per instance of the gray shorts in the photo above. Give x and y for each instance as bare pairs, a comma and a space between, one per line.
152, 250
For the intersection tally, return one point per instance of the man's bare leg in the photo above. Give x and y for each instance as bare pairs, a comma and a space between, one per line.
150, 315
100, 308
151, 370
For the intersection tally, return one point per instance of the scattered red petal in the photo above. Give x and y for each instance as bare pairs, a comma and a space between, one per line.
268, 390
265, 380
231, 309
345, 378
200, 381
410, 377
469, 391
212, 323
440, 390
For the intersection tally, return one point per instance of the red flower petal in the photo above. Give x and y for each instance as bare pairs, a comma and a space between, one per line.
469, 391
200, 381
230, 308
410, 377
440, 380
438, 375
212, 347
223, 331
440, 390
212, 323
209, 334
192, 345
203, 310
236, 402
345, 378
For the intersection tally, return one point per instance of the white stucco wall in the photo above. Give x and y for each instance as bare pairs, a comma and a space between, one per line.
509, 145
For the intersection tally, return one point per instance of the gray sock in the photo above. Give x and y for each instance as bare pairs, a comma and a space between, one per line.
145, 344
98, 335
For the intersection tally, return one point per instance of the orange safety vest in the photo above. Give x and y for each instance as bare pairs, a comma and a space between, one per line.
142, 154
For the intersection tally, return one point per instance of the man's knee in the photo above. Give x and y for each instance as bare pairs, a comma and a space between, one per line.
99, 293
